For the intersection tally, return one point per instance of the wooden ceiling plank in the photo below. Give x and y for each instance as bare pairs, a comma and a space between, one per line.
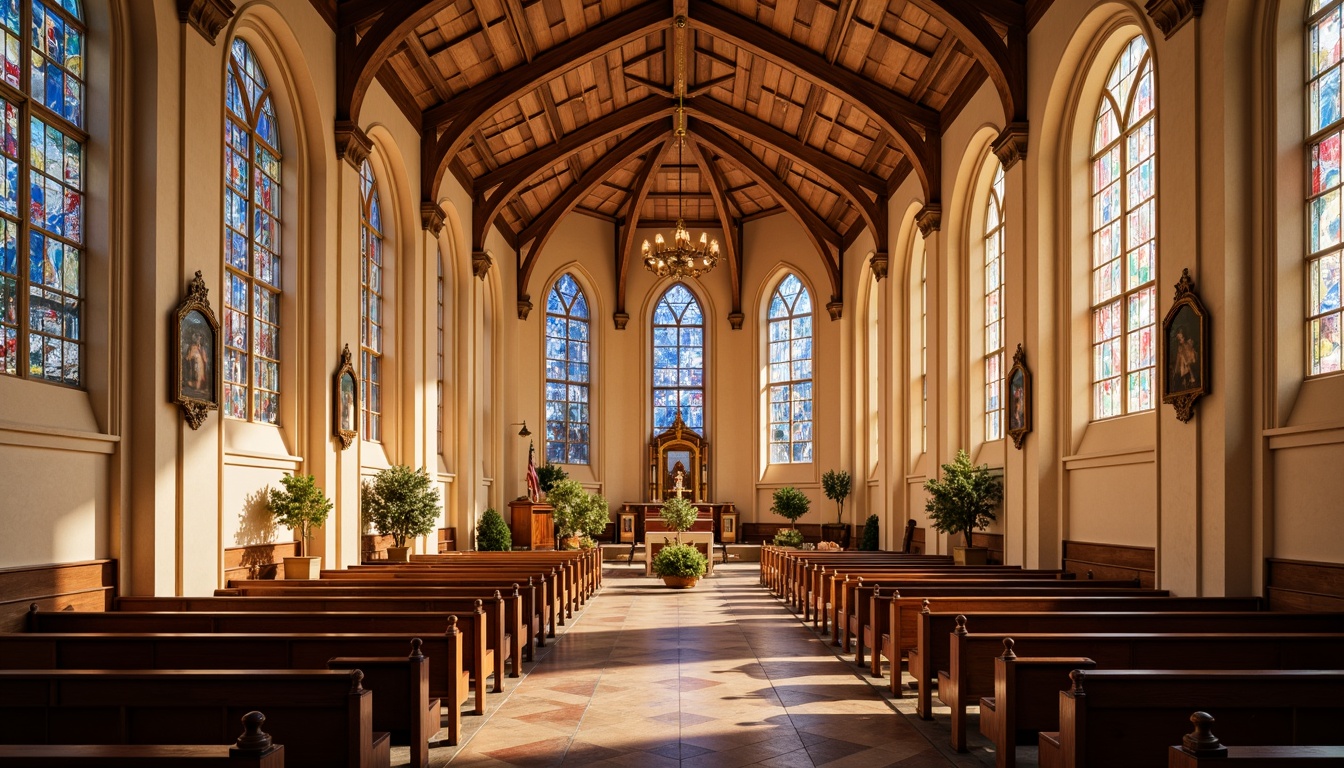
359, 59
1005, 62
453, 42
944, 51
840, 29
659, 88
513, 11
432, 75
709, 85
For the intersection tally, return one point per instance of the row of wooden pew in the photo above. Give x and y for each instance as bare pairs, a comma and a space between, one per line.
1106, 673
345, 665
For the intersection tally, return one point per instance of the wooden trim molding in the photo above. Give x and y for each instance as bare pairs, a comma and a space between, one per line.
88, 585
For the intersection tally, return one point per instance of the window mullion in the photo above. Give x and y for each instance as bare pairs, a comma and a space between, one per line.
23, 255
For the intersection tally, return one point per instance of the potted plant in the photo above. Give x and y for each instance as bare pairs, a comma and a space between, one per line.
837, 486
961, 502
300, 506
571, 514
789, 537
680, 565
492, 533
402, 503
870, 541
595, 521
548, 475
790, 504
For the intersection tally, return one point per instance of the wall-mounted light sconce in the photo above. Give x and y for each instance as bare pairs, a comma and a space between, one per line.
524, 432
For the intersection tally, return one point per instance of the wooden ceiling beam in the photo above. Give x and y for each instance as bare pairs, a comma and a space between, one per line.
721, 208
358, 59
513, 11
543, 226
840, 29
946, 47
633, 205
1005, 62
659, 88
461, 115
709, 85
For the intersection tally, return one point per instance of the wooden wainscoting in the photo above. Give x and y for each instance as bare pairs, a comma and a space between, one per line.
89, 585
991, 541
1300, 585
1111, 561
764, 533
258, 561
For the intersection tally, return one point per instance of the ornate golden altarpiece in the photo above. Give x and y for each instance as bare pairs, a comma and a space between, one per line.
679, 449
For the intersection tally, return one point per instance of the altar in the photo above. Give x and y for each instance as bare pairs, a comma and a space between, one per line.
640, 522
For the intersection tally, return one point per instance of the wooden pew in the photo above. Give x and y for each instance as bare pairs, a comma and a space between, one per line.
477, 658
504, 624
324, 718
1129, 718
253, 749
832, 587
973, 658
407, 696
1202, 749
894, 611
585, 564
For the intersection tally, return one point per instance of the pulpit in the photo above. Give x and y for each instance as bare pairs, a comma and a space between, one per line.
531, 524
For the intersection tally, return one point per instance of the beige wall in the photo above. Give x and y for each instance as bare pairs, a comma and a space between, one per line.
112, 471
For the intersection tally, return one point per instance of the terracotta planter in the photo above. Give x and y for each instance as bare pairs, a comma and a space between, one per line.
302, 567
398, 554
970, 555
680, 582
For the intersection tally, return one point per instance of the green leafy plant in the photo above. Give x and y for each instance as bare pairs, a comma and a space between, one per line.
789, 537
790, 503
571, 505
870, 534
964, 499
492, 533
400, 502
548, 475
299, 506
681, 560
837, 486
587, 542
595, 519
678, 515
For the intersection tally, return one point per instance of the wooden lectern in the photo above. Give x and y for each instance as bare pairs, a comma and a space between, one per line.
531, 524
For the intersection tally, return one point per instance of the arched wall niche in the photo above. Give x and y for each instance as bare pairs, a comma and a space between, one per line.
822, 387
906, 398
589, 474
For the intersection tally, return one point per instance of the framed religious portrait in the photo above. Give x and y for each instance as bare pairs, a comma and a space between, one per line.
1185, 348
345, 400
1019, 398
195, 369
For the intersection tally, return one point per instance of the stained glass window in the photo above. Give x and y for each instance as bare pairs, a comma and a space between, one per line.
252, 224
41, 302
678, 359
1124, 245
371, 303
994, 308
790, 350
568, 367
1325, 128
438, 259
923, 345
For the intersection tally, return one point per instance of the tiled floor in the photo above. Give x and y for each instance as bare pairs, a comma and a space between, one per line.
714, 677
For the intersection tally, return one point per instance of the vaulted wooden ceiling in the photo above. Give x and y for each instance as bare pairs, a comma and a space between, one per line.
813, 108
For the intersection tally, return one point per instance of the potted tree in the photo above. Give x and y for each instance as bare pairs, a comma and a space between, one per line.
571, 515
300, 506
680, 565
492, 533
837, 486
871, 533
402, 503
548, 475
790, 504
595, 521
963, 501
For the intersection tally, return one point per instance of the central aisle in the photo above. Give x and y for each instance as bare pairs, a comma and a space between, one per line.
718, 676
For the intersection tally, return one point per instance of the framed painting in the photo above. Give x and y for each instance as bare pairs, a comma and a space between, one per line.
1185, 350
627, 534
345, 399
195, 369
1019, 398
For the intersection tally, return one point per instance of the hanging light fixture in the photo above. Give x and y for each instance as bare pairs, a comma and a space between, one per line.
682, 257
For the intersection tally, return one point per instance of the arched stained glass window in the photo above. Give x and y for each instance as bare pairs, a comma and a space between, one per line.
994, 308
251, 242
42, 172
568, 373
438, 389
790, 348
371, 303
923, 346
1325, 129
1124, 245
678, 359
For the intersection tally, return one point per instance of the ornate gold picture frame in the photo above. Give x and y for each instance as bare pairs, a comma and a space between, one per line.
345, 401
1184, 364
1018, 384
197, 381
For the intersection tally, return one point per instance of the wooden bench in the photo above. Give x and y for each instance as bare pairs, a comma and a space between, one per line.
253, 749
586, 564
1201, 748
407, 696
324, 718
1130, 718
477, 658
831, 587
972, 673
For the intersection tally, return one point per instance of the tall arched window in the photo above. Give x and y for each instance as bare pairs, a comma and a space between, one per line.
678, 359
567, 373
438, 388
790, 344
42, 252
371, 303
994, 308
1124, 228
1323, 219
251, 242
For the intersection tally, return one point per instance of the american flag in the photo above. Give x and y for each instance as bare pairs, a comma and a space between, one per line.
533, 482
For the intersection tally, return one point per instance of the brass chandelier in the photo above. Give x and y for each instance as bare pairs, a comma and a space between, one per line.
682, 257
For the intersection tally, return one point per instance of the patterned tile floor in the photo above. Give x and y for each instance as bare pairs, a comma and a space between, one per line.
719, 676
